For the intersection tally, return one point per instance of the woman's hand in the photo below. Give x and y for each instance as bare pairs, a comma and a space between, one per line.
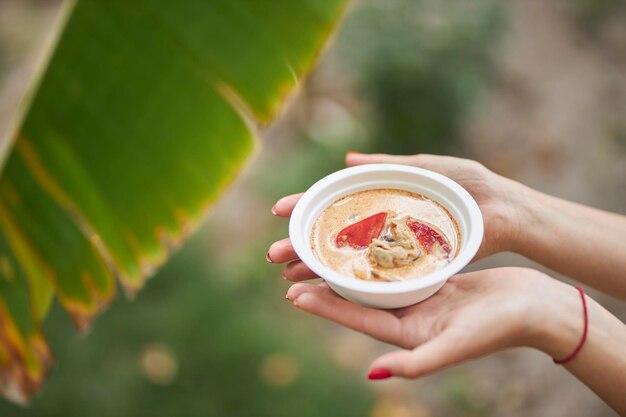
499, 200
473, 315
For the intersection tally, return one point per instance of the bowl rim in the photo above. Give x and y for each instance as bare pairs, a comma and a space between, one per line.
301, 244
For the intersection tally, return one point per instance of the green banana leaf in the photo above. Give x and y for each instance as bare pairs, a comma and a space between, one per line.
145, 113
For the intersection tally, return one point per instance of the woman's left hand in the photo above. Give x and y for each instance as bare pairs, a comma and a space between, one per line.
473, 314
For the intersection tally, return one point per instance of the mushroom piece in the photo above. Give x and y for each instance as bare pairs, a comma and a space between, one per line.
397, 247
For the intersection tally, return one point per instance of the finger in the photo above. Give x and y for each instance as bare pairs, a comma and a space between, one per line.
434, 355
323, 302
355, 158
281, 251
285, 205
298, 271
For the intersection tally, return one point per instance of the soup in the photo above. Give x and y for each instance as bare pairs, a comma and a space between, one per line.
385, 235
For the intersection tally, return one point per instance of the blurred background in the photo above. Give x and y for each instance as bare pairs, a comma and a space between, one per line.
534, 89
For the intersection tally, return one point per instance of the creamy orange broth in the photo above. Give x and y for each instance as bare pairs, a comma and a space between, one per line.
399, 205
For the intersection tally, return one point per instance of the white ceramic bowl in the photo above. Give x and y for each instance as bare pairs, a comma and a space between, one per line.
366, 177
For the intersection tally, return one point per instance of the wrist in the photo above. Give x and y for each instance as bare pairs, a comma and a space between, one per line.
517, 215
558, 321
527, 219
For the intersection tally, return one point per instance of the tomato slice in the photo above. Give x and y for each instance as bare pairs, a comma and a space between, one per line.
427, 236
360, 234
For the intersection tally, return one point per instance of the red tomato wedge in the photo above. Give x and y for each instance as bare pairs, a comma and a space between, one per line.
427, 236
360, 234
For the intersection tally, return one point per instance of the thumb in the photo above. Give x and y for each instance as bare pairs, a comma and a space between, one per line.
355, 158
432, 356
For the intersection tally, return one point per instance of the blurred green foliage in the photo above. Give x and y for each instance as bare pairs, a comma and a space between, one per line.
590, 15
422, 64
460, 395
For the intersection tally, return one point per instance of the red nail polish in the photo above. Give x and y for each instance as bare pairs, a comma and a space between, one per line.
379, 373
267, 258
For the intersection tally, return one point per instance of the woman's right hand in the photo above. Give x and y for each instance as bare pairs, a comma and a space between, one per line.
499, 200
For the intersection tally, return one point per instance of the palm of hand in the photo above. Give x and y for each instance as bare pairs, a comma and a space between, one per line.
470, 316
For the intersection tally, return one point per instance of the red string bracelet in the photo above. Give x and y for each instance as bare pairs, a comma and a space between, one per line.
582, 339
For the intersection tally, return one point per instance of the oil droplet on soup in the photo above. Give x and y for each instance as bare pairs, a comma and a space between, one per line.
385, 235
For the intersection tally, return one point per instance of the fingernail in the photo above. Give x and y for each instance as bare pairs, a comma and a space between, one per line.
267, 258
379, 373
274, 210
354, 153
